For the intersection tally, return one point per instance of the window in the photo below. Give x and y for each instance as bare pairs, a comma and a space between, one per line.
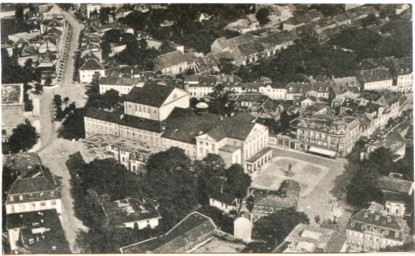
352, 224
20, 197
11, 199
53, 202
42, 204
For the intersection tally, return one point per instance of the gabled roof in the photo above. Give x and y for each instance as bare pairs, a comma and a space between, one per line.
150, 94
195, 123
250, 48
169, 59
113, 117
243, 121
141, 123
35, 184
92, 64
181, 238
395, 185
373, 75
124, 81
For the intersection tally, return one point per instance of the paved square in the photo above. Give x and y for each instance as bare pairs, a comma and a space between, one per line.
308, 175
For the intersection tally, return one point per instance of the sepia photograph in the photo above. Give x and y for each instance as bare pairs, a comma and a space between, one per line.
132, 128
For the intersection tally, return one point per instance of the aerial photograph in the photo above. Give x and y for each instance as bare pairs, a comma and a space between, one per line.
207, 128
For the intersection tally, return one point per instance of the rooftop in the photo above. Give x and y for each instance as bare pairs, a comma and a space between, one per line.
123, 81
169, 59
286, 196
11, 94
150, 94
373, 75
130, 210
395, 185
92, 64
110, 116
185, 233
40, 232
306, 239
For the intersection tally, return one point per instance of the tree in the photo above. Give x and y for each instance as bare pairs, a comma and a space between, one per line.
274, 228
262, 16
165, 47
57, 101
172, 159
380, 161
73, 126
221, 103
237, 181
39, 87
66, 100
24, 137
111, 99
363, 189
210, 177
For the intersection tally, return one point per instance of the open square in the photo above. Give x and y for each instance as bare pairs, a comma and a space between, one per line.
282, 168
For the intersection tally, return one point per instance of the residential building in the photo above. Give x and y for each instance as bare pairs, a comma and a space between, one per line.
374, 228
223, 44
132, 213
301, 20
123, 85
267, 201
392, 141
35, 190
172, 63
273, 93
392, 184
242, 226
98, 121
37, 232
402, 74
224, 202
12, 108
89, 69
375, 79
190, 232
329, 136
308, 239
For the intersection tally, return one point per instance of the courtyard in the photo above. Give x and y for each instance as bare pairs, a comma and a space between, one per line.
308, 175
217, 245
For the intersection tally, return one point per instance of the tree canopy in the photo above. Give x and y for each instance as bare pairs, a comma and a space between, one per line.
274, 228
262, 16
24, 137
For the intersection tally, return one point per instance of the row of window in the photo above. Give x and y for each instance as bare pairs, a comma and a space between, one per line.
20, 197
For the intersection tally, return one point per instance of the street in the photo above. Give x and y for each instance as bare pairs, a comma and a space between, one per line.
51, 150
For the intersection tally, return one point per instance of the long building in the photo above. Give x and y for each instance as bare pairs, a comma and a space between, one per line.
158, 115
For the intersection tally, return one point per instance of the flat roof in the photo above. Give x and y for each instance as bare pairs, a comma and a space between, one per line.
11, 94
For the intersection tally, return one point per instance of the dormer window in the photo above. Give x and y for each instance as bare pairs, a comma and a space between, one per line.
352, 224
11, 199
396, 234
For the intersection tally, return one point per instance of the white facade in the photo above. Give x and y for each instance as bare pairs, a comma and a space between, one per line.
224, 207
96, 126
86, 76
242, 229
121, 89
34, 206
199, 91
274, 93
142, 224
378, 85
404, 83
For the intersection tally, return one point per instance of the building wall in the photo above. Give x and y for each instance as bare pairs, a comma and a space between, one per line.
122, 89
175, 69
178, 98
199, 91
96, 126
378, 85
256, 141
153, 223
242, 229
152, 138
221, 206
140, 110
369, 242
86, 76
189, 149
274, 93
404, 83
35, 206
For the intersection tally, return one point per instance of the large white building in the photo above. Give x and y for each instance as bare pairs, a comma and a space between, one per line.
88, 70
123, 85
375, 79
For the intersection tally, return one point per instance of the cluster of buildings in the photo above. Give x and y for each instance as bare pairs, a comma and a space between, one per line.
33, 208
45, 47
12, 106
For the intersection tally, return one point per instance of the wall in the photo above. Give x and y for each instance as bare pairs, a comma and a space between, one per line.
34, 206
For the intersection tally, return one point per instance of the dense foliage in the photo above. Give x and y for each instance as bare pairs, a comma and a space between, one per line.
275, 227
24, 137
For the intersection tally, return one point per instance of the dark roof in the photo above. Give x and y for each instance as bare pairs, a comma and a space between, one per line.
130, 210
113, 117
141, 123
21, 161
169, 59
182, 237
373, 75
150, 94
92, 64
195, 123
395, 185
367, 218
51, 240
226, 198
402, 66
243, 121
250, 48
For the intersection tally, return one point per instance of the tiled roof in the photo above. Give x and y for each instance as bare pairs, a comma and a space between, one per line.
92, 64
395, 185
402, 66
366, 218
321, 239
170, 59
130, 210
151, 94
250, 48
141, 123
113, 117
195, 123
119, 81
243, 121
41, 232
181, 238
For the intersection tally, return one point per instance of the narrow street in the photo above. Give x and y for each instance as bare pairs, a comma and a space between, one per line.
51, 150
